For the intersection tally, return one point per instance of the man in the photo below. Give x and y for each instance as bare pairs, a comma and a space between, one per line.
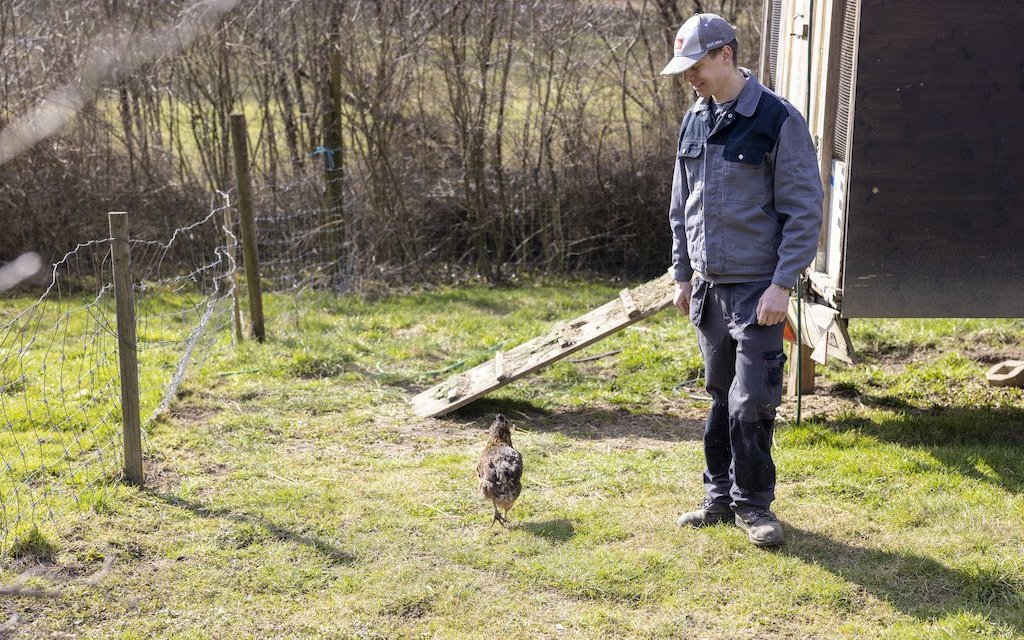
745, 217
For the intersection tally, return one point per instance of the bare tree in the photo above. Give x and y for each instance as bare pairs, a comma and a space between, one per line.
394, 139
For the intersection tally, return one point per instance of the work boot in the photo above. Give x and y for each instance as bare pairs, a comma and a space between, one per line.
708, 514
762, 527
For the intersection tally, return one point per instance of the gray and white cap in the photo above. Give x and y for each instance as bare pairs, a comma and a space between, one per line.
698, 35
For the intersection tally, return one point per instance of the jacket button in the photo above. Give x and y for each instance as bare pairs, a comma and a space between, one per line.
741, 156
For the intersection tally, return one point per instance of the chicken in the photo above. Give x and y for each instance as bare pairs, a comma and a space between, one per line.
500, 469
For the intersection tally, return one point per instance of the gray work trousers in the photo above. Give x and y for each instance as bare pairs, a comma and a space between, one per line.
743, 371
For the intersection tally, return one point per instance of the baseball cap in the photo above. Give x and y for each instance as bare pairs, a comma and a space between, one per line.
698, 35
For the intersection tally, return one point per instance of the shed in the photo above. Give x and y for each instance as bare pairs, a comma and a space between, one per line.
917, 110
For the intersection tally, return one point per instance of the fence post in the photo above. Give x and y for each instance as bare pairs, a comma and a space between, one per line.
250, 250
334, 145
126, 347
232, 249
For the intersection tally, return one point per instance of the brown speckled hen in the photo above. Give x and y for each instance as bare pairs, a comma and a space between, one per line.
500, 469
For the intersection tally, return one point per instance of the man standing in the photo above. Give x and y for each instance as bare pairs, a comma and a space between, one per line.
745, 216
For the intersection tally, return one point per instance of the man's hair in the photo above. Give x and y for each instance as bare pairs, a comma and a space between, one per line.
735, 52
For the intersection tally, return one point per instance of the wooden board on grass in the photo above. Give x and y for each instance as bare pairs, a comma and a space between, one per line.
631, 305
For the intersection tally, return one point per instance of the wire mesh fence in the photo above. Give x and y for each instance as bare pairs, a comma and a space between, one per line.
61, 447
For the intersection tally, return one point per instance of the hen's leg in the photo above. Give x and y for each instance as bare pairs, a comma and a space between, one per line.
497, 517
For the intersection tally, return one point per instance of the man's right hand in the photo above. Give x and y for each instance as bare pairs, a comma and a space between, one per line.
684, 291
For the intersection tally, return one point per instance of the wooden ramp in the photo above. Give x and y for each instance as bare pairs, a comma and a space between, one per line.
631, 306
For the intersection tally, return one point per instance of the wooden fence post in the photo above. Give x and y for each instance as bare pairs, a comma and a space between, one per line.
250, 249
334, 145
126, 347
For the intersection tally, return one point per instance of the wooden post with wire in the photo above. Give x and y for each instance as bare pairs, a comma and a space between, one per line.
127, 349
250, 249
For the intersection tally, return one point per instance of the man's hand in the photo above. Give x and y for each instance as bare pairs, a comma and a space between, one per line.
684, 291
772, 307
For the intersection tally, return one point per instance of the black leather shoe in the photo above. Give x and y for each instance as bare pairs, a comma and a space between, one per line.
762, 527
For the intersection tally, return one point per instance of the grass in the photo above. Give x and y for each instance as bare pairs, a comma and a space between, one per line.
291, 493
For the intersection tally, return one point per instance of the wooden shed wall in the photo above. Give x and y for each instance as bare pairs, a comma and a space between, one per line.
935, 224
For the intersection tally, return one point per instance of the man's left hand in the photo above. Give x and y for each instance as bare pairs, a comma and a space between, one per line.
772, 307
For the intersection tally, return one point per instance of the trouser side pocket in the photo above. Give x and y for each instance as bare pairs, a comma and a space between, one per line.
771, 383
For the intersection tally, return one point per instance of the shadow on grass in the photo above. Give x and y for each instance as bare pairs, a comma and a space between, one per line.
486, 407
592, 424
916, 585
560, 530
329, 551
962, 439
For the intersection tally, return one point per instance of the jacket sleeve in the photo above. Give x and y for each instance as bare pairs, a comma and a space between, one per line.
798, 199
681, 269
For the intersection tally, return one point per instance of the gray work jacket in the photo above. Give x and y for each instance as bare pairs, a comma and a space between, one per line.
746, 193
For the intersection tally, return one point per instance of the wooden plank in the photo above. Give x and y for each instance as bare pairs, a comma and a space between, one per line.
801, 370
628, 304
564, 339
499, 365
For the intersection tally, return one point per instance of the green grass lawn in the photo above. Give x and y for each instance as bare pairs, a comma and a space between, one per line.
292, 493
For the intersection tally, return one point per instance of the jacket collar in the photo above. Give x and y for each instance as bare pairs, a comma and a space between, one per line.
746, 102
749, 96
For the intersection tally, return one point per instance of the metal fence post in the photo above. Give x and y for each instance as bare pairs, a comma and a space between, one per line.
126, 347
250, 249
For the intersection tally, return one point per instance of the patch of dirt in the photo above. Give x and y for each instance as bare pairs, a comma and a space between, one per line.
823, 404
625, 430
411, 332
668, 424
253, 395
988, 355
216, 468
161, 476
192, 412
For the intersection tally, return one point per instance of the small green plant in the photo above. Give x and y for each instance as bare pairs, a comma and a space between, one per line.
34, 544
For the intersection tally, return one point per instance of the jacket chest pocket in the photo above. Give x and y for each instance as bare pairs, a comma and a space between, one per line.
746, 179
690, 155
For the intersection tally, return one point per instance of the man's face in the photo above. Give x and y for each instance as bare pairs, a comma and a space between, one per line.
709, 76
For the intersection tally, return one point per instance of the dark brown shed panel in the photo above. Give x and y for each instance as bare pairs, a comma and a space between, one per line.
935, 170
